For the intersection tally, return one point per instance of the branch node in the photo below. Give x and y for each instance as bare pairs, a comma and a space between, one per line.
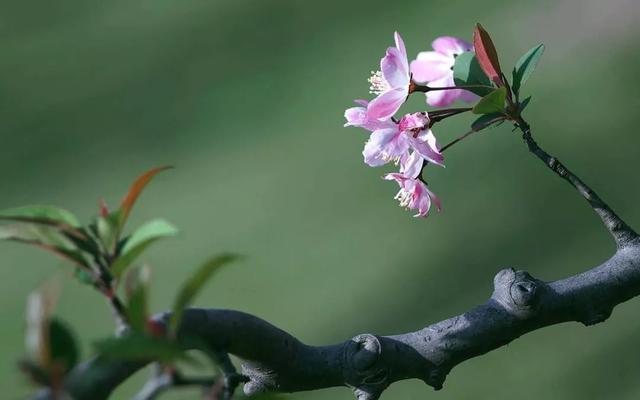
436, 378
367, 393
363, 367
594, 315
254, 387
258, 379
517, 291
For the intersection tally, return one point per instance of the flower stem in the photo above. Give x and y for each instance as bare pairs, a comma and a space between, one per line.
459, 139
414, 87
439, 115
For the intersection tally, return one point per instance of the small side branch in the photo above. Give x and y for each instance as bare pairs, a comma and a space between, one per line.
622, 233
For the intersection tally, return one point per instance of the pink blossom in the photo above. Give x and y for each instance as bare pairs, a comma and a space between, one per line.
436, 69
391, 83
414, 194
358, 117
411, 165
394, 142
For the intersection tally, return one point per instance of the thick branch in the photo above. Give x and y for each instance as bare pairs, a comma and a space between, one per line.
621, 232
273, 360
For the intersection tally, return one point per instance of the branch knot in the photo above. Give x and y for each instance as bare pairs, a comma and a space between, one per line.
363, 367
517, 291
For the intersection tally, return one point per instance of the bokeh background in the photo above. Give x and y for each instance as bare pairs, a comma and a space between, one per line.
246, 99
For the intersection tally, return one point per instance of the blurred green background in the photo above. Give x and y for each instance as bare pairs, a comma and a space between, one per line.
246, 99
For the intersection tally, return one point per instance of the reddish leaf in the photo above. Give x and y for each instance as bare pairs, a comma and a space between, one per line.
487, 55
134, 191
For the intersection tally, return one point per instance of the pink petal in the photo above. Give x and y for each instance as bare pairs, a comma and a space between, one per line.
443, 98
451, 46
413, 121
430, 65
395, 177
361, 102
384, 145
430, 138
385, 105
400, 44
428, 152
422, 200
435, 199
355, 116
411, 165
468, 96
395, 69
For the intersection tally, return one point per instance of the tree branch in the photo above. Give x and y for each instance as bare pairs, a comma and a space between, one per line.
621, 232
274, 360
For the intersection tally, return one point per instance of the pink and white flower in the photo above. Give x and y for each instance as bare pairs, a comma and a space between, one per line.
391, 83
358, 117
393, 143
414, 193
436, 69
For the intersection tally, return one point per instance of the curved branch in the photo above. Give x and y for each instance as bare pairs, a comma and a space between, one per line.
622, 233
274, 360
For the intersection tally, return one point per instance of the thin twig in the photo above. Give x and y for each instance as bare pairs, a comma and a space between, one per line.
459, 139
622, 233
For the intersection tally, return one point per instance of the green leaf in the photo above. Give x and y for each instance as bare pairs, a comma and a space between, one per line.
192, 286
139, 241
107, 231
40, 212
525, 67
136, 285
137, 309
63, 345
486, 120
523, 104
47, 216
45, 237
39, 235
491, 103
467, 71
35, 233
83, 276
140, 347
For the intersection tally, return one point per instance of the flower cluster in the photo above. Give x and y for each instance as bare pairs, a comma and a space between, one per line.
408, 141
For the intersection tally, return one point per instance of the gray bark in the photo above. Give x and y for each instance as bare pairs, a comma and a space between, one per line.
274, 360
